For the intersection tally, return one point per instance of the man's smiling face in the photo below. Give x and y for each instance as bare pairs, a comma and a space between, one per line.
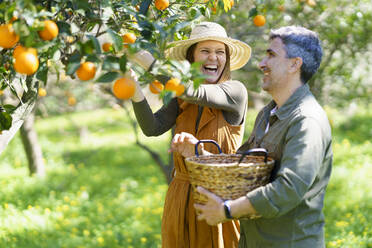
213, 55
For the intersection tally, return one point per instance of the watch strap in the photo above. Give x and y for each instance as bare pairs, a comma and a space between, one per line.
227, 208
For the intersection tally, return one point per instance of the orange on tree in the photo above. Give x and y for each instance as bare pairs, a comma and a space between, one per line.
71, 100
14, 18
50, 30
42, 92
86, 71
156, 87
8, 37
161, 4
259, 20
124, 88
107, 46
26, 61
174, 84
129, 38
19, 49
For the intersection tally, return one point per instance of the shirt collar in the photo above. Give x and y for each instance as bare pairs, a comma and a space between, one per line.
291, 104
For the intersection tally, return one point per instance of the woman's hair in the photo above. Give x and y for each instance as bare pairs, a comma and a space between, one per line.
226, 73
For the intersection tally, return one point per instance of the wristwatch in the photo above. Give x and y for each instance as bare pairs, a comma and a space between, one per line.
226, 205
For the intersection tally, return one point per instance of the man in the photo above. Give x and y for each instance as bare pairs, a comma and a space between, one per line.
294, 129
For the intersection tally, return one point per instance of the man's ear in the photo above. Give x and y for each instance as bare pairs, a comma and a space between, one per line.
296, 64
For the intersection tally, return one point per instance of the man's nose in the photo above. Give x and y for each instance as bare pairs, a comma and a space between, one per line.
262, 64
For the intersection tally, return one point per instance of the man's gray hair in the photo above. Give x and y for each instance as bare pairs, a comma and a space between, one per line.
303, 43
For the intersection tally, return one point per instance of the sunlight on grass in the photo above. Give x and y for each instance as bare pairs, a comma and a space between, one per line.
102, 190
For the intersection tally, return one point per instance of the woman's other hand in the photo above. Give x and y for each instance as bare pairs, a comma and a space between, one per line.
184, 143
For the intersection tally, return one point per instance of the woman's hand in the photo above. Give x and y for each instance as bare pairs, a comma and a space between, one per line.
138, 95
184, 143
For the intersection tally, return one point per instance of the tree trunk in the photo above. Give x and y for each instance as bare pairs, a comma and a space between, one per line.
32, 147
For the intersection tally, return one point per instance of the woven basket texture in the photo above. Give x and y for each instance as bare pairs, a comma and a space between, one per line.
222, 175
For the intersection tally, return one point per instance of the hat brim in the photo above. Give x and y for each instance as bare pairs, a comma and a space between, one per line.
240, 52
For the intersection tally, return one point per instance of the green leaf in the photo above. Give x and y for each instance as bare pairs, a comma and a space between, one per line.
253, 12
93, 58
108, 77
73, 64
96, 44
111, 63
5, 121
144, 7
42, 73
64, 27
117, 40
9, 108
167, 97
88, 47
123, 63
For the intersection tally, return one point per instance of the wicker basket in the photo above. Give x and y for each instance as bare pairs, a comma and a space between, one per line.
229, 176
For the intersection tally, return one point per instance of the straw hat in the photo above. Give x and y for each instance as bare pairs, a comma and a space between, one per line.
240, 52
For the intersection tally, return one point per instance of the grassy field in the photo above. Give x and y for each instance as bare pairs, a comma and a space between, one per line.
101, 190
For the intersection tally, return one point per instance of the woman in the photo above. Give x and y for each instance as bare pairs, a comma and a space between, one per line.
216, 110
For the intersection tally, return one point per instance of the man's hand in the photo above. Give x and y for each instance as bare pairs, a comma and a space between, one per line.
184, 143
213, 211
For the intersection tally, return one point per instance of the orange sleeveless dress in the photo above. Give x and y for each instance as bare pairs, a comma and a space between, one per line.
180, 227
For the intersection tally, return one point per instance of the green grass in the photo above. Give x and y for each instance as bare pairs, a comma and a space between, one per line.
101, 190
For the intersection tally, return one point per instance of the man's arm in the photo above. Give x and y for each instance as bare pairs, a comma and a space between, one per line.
301, 160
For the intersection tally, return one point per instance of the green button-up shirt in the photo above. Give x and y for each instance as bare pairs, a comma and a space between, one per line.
299, 139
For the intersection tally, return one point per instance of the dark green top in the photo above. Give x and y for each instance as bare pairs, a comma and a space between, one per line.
231, 97
291, 205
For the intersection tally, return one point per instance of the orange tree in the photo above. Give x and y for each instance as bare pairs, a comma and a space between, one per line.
41, 38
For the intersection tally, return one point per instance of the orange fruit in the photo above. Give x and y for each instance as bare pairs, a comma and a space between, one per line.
14, 18
174, 84
50, 30
86, 71
42, 92
259, 20
180, 89
231, 3
156, 87
161, 4
8, 37
26, 61
129, 38
19, 49
124, 88
107, 47
71, 100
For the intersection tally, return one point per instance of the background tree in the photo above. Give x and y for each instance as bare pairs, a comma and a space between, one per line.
344, 28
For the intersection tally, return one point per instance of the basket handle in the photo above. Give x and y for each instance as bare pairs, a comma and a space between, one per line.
254, 150
206, 141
